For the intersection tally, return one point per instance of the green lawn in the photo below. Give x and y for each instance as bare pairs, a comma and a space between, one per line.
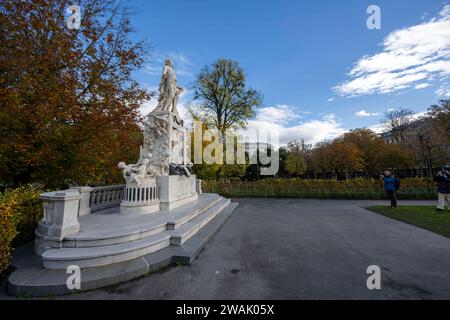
425, 217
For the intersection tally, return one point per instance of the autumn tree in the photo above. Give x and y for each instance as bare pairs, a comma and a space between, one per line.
345, 157
426, 140
440, 115
223, 96
371, 146
68, 101
396, 156
359, 150
337, 156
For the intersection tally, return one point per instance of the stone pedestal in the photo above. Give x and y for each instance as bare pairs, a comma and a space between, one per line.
165, 141
60, 214
175, 191
140, 199
85, 193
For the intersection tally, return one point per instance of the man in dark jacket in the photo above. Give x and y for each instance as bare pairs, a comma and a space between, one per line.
443, 180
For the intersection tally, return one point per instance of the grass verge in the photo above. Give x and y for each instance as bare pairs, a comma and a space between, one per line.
425, 217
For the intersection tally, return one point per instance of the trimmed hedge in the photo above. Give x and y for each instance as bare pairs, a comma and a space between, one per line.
356, 189
20, 210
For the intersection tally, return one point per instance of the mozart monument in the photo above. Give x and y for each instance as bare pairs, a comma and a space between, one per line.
164, 152
92, 237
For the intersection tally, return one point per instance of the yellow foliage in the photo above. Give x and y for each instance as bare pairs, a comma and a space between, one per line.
360, 188
20, 210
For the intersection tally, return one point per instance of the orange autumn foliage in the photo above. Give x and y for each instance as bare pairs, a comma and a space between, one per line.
68, 101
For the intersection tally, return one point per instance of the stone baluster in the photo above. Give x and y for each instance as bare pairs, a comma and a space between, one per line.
85, 193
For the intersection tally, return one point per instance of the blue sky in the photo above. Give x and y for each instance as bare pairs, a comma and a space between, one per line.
320, 69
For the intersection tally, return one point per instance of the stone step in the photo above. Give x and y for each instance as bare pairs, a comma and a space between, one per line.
187, 230
33, 280
88, 257
104, 255
179, 217
166, 220
126, 235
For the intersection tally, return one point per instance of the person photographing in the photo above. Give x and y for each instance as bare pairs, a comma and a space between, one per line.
391, 186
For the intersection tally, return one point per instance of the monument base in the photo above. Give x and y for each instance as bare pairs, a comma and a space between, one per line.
176, 191
140, 198
112, 247
132, 208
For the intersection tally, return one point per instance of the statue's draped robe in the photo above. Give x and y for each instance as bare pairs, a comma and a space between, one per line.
168, 90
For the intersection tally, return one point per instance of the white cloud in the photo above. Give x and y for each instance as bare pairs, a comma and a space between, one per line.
148, 106
445, 11
273, 119
312, 131
380, 128
152, 69
181, 61
410, 57
181, 58
331, 99
422, 86
419, 115
280, 114
364, 113
443, 92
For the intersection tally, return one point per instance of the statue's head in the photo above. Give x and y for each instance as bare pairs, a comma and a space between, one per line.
169, 62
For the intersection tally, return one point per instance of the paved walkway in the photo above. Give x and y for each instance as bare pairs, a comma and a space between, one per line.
303, 249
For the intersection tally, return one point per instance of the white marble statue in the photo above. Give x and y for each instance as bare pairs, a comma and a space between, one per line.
169, 91
135, 172
164, 134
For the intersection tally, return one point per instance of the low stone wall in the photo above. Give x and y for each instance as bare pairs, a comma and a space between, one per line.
106, 197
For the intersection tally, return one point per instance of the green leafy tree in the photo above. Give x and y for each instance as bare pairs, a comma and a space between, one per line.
296, 163
224, 99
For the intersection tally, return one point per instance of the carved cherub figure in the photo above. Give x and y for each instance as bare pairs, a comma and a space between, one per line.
140, 171
134, 172
127, 170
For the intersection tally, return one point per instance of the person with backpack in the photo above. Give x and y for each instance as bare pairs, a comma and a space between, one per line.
443, 180
391, 186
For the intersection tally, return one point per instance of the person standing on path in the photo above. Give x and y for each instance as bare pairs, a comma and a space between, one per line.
443, 180
391, 185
